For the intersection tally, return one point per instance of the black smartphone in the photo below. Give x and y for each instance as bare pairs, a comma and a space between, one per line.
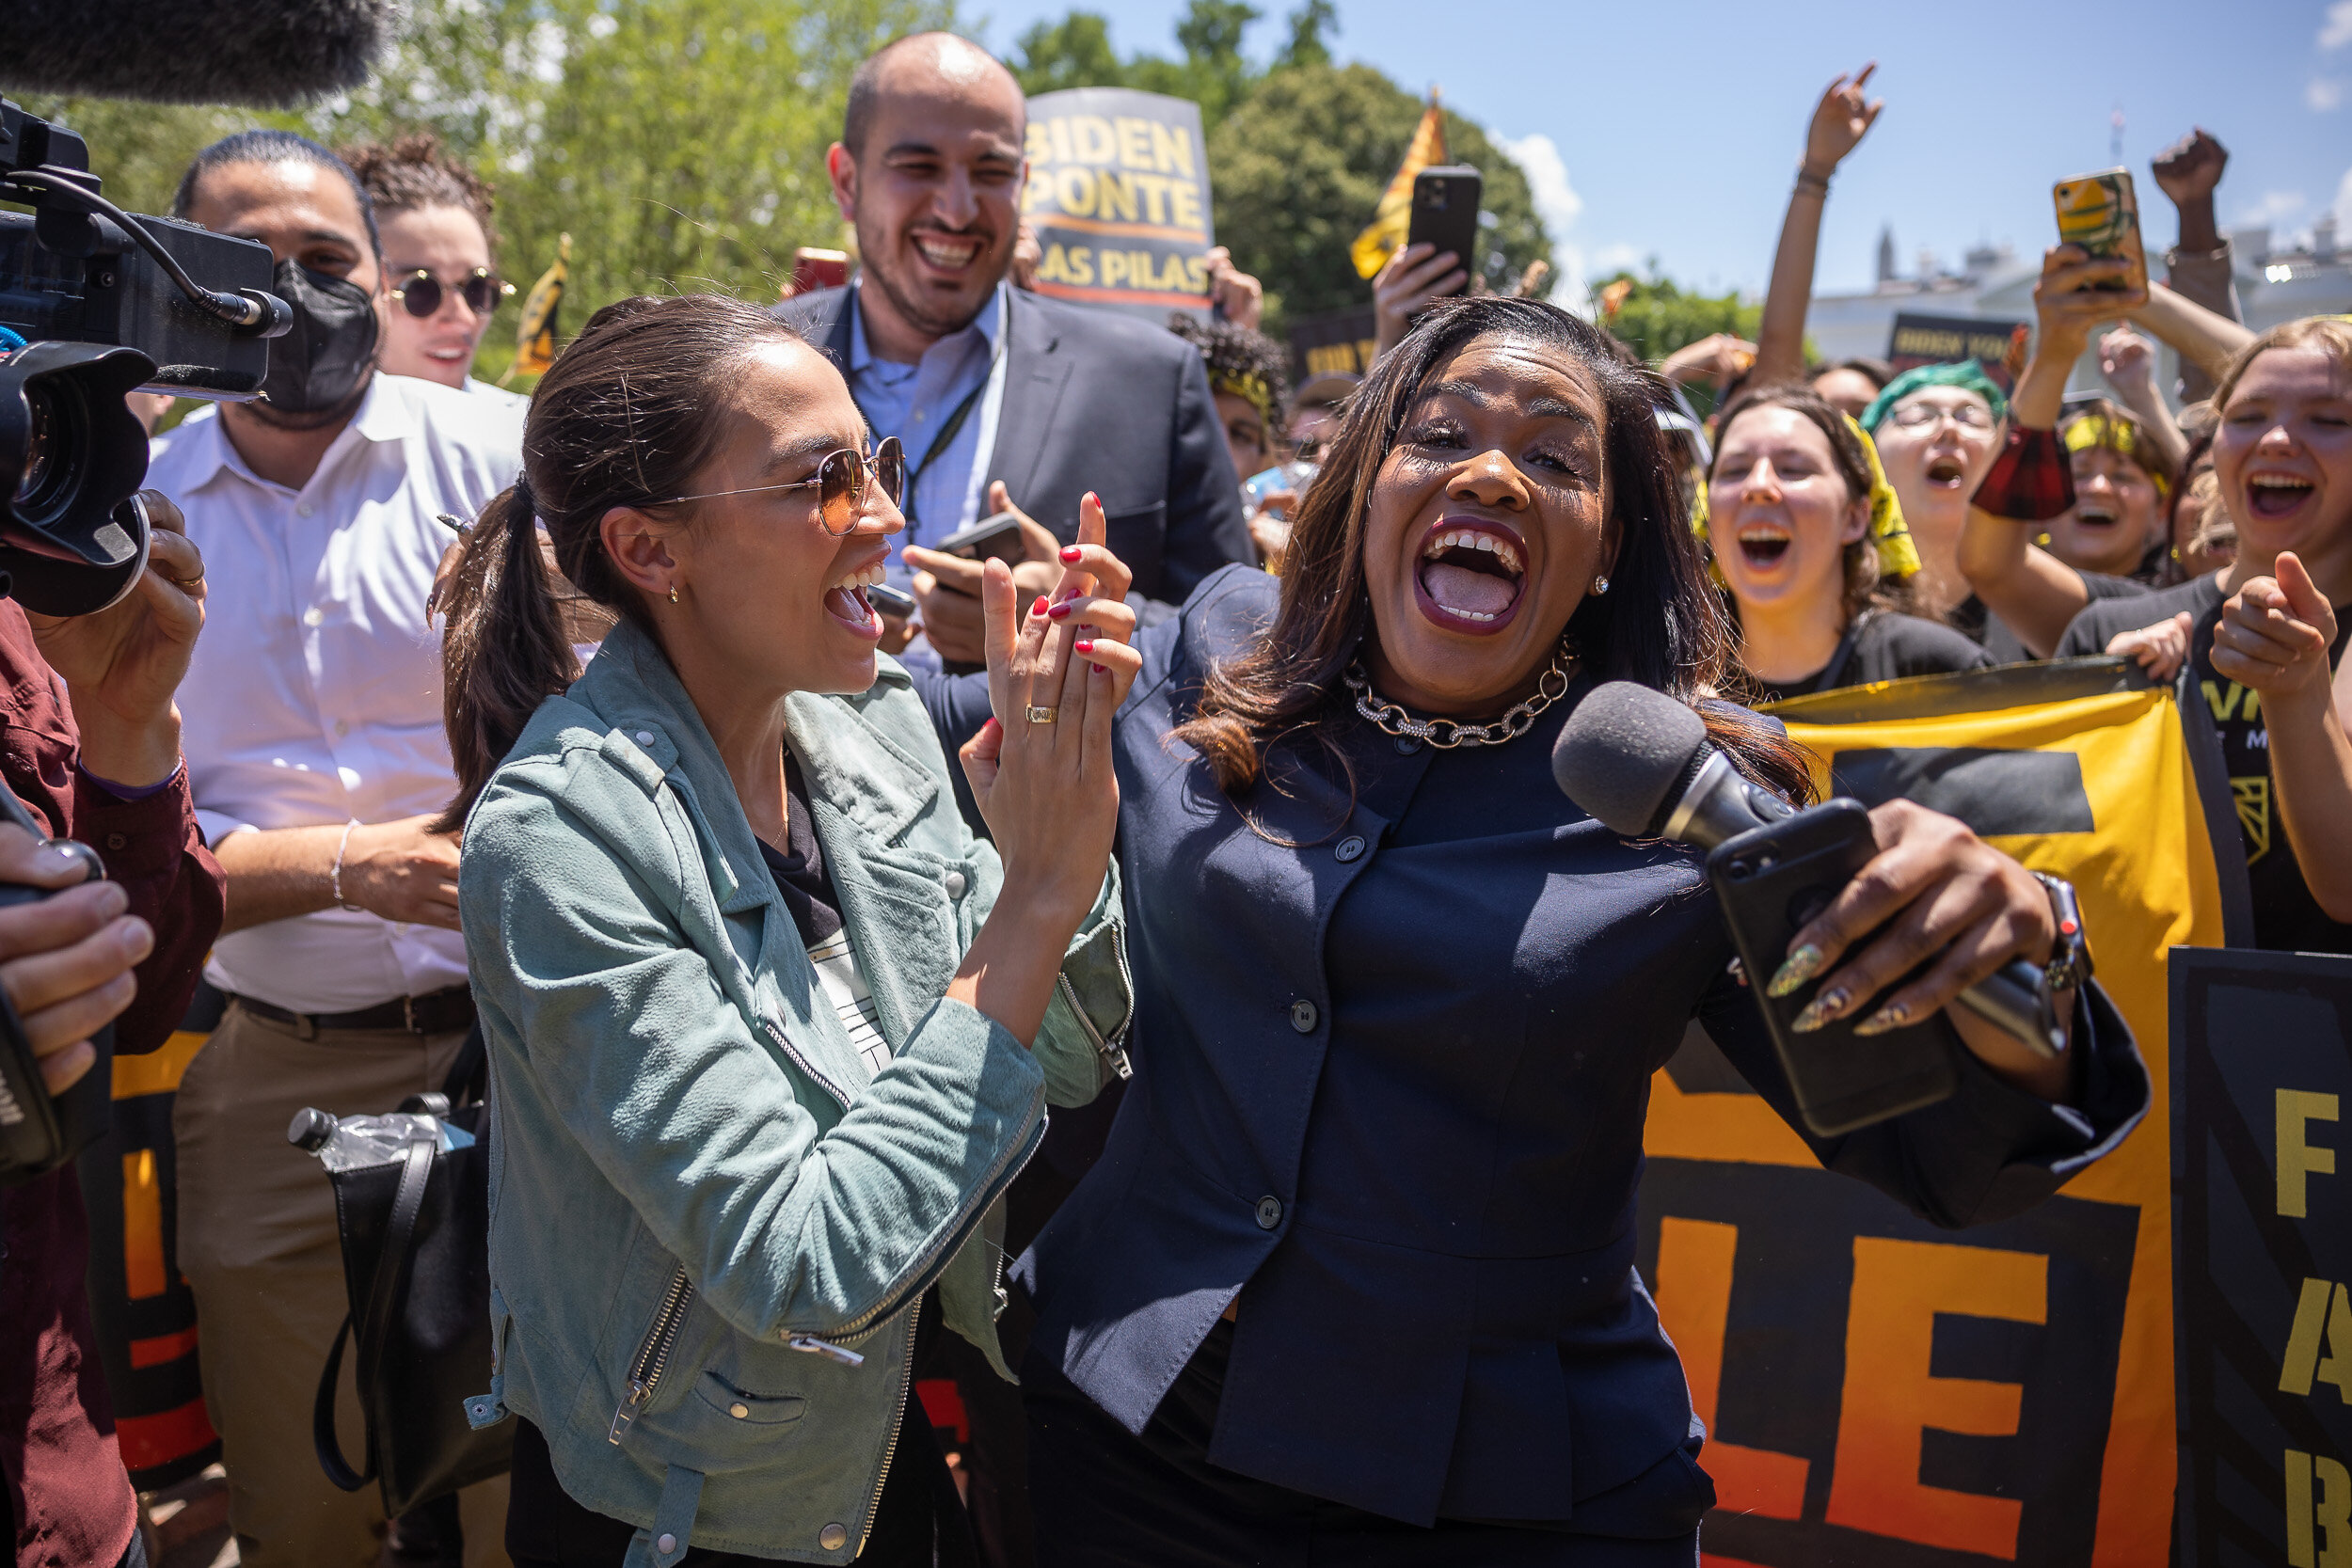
1770, 880
996, 538
891, 601
1445, 213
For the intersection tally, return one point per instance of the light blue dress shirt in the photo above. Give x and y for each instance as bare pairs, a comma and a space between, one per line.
913, 402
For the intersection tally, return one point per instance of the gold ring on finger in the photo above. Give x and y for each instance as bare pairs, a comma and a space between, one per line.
1042, 715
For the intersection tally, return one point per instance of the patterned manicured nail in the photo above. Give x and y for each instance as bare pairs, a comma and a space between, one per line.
1802, 964
1821, 1011
1070, 552
1893, 1016
1039, 608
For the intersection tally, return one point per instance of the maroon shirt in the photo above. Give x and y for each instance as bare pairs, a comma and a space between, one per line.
68, 1494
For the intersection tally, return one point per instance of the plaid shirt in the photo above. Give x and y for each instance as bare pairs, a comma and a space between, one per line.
2031, 481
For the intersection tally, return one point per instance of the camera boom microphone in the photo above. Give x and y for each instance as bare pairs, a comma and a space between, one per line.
1639, 762
269, 54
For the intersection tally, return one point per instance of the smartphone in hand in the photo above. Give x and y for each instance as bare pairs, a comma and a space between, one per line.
997, 538
1445, 213
2100, 212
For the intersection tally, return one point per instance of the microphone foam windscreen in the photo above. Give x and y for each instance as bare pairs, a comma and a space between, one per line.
1623, 751
270, 53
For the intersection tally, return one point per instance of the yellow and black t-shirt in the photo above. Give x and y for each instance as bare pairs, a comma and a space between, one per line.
2286, 917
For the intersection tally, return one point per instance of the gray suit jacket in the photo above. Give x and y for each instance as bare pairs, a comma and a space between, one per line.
1105, 403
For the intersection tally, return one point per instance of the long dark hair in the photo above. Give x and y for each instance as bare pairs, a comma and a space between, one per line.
1661, 624
627, 415
1866, 584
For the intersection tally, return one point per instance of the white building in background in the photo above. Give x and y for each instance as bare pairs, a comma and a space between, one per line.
1994, 283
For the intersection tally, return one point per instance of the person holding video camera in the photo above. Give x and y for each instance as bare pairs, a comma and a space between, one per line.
89, 741
317, 752
1004, 400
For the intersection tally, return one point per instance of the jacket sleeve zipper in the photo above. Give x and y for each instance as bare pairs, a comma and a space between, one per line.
1113, 1051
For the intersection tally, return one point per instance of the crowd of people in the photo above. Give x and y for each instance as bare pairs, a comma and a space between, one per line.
551, 746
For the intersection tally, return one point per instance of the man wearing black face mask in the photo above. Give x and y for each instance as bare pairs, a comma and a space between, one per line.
312, 722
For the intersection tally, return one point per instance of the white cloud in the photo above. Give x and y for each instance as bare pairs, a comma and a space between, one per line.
2323, 93
1558, 206
2273, 206
2335, 31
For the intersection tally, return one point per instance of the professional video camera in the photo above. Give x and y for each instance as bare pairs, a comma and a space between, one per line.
95, 303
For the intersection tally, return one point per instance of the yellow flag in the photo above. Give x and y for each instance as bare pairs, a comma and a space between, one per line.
1393, 219
535, 337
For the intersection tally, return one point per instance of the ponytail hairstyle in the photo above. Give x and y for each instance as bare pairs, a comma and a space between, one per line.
631, 411
1660, 624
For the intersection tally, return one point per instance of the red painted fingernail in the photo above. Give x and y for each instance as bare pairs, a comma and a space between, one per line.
1039, 608
1070, 552
1100, 670
991, 724
1084, 644
1060, 611
1093, 499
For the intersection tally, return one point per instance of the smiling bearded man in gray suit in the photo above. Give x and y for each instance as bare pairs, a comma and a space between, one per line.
1003, 401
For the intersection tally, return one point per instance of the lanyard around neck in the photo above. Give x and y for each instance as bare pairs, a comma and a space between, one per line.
953, 425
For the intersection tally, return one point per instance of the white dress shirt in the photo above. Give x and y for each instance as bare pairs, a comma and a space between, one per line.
315, 694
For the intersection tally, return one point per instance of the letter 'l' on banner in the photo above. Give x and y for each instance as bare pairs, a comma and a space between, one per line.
1877, 1390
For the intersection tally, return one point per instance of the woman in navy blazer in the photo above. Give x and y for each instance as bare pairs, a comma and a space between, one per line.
1353, 1282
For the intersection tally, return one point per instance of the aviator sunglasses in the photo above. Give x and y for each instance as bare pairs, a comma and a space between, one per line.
839, 482
421, 293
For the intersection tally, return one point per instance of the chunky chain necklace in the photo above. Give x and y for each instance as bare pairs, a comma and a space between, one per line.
1446, 734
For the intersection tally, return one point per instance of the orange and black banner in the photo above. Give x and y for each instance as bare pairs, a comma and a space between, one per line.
143, 1312
1119, 196
2261, 1073
1881, 1392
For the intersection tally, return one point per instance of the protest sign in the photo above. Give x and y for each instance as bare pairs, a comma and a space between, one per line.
1880, 1391
2261, 1073
1336, 342
1917, 341
143, 1311
1119, 196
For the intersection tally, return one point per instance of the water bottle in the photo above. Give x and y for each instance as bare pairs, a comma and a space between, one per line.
347, 1143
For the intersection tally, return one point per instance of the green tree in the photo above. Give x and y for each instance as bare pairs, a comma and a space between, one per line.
1657, 316
1076, 52
1297, 171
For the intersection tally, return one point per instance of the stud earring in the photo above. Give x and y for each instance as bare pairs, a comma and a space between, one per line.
674, 593
1601, 585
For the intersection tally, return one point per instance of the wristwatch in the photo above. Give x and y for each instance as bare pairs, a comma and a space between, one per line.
2070, 955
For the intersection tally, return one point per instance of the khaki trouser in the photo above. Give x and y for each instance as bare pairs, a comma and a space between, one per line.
257, 1242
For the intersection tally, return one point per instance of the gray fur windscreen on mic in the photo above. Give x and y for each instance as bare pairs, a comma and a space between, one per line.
1622, 753
265, 52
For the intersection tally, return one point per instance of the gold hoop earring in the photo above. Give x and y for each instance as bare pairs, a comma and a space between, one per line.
674, 593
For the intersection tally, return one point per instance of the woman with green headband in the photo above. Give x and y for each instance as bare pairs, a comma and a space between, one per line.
1937, 429
1810, 538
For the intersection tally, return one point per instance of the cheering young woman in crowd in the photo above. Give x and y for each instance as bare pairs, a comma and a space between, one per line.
1354, 1280
769, 1030
1936, 429
2282, 462
1809, 539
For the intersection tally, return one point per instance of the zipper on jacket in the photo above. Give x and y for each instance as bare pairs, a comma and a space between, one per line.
801, 1062
890, 1452
1111, 1051
653, 1353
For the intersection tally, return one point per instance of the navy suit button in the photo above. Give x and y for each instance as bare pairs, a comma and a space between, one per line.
1406, 745
1269, 1212
1349, 848
1303, 1016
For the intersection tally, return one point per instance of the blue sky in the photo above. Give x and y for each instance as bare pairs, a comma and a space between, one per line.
1671, 129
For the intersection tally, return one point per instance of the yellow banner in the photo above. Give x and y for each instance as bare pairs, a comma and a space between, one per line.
535, 335
2005, 1393
1393, 219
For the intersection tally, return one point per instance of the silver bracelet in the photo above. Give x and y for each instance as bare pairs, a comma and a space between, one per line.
335, 875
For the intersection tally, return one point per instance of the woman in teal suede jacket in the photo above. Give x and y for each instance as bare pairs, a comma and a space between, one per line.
769, 1030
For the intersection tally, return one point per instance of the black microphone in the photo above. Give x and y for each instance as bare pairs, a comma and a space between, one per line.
1639, 762
269, 52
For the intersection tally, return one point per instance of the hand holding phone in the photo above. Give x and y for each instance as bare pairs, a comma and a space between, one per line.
2101, 214
1445, 215
997, 538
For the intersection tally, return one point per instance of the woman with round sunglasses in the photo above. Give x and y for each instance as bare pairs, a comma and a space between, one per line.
770, 1030
432, 215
